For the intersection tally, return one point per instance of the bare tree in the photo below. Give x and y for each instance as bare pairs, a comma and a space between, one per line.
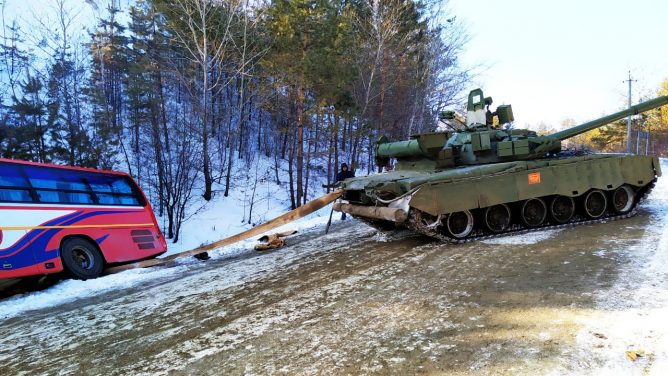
379, 30
205, 34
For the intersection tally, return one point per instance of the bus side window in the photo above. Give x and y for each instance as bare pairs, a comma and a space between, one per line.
10, 176
60, 197
113, 190
121, 186
56, 179
15, 195
13, 185
59, 186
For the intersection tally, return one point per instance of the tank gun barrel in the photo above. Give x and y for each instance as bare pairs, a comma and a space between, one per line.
633, 110
399, 149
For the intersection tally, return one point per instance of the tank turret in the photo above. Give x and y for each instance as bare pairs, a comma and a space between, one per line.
481, 142
489, 178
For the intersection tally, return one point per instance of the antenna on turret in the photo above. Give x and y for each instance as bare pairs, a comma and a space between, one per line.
628, 119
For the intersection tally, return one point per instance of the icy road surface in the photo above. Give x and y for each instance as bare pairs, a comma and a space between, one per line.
573, 301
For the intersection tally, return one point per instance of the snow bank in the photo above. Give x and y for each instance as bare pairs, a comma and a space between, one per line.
72, 290
632, 318
226, 216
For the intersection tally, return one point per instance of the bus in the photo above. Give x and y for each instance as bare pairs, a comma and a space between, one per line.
77, 220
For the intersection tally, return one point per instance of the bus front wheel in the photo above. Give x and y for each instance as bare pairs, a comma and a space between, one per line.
81, 258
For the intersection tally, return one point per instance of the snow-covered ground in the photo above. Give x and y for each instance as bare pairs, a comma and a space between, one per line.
632, 317
528, 238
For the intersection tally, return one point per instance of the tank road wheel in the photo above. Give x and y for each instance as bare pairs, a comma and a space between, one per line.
459, 224
497, 218
622, 199
594, 204
81, 258
534, 212
562, 209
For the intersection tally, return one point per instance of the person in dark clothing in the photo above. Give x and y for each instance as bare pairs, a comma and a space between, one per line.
343, 175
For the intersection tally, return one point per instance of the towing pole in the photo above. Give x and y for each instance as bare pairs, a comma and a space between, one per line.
288, 217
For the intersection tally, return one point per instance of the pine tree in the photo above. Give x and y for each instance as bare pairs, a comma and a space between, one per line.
71, 142
30, 131
106, 89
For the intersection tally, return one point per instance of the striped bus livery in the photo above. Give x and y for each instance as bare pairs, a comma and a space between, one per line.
78, 220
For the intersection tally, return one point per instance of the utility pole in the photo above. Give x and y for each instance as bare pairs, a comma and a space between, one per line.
628, 119
647, 141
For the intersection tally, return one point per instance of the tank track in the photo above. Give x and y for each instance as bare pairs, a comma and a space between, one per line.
515, 229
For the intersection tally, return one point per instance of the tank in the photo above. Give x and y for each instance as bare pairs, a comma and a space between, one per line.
489, 179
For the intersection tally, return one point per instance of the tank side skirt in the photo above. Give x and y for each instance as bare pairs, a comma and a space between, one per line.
572, 179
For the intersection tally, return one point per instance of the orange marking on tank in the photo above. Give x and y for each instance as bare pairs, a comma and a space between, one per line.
534, 178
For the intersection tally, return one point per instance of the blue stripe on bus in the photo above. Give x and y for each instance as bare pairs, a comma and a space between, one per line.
34, 233
101, 239
41, 237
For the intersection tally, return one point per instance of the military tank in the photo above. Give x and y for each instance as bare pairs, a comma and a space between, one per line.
489, 179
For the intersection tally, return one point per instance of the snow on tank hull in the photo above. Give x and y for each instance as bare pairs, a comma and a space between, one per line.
472, 201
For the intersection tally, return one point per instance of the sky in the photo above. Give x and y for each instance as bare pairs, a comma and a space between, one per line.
554, 60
